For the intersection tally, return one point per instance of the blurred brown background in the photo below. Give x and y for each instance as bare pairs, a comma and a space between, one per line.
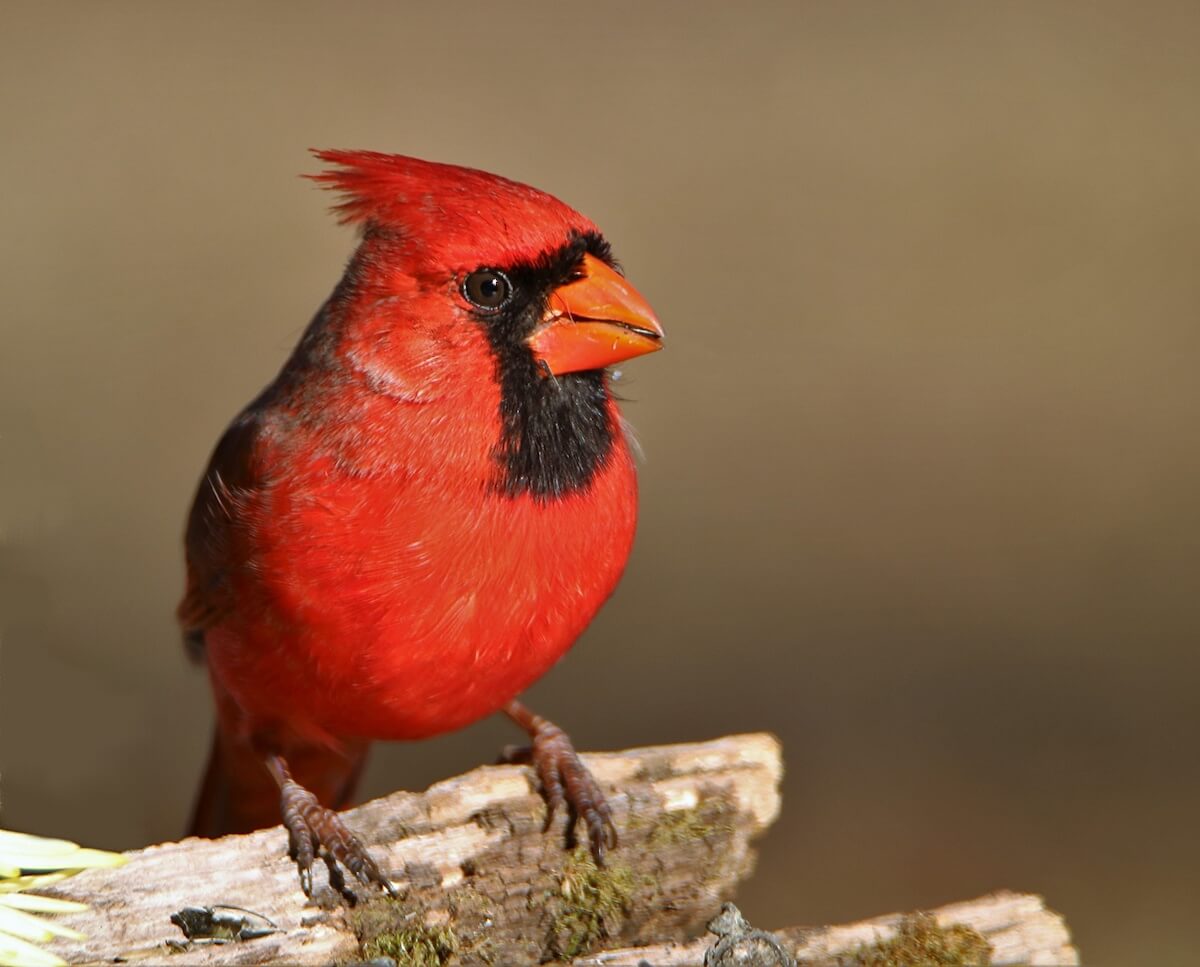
921, 468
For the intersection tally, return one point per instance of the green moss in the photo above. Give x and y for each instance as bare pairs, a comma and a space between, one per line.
419, 946
388, 928
380, 915
593, 903
472, 914
684, 825
921, 942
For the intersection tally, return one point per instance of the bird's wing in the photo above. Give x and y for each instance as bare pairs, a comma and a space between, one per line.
220, 498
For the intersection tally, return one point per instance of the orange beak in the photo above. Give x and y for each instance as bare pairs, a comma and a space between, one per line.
594, 322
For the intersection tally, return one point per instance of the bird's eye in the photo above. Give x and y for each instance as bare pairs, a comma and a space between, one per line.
487, 288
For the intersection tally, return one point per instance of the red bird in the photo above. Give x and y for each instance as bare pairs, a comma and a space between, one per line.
423, 511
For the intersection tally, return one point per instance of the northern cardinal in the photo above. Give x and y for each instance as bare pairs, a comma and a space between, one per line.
423, 511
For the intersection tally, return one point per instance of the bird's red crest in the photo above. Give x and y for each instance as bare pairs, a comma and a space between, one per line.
458, 216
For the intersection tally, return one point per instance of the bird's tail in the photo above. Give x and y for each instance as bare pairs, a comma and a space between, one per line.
239, 795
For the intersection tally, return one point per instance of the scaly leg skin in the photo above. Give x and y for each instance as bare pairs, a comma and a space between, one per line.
315, 831
566, 780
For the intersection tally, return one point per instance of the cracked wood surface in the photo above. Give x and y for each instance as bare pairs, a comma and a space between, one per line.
1018, 927
482, 884
468, 853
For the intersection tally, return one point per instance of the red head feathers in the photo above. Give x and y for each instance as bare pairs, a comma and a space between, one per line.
463, 216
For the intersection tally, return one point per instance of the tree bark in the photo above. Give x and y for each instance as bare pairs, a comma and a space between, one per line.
473, 865
480, 882
1016, 928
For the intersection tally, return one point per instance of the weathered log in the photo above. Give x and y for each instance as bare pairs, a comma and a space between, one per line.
481, 883
1001, 929
477, 874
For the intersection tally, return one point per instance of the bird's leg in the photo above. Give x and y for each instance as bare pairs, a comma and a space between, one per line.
565, 779
314, 830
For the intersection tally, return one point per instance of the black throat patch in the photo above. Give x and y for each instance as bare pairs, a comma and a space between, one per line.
557, 432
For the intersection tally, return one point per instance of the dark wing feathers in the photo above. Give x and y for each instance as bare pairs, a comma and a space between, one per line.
229, 477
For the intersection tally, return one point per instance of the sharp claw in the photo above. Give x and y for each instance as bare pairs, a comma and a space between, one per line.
565, 780
315, 831
336, 879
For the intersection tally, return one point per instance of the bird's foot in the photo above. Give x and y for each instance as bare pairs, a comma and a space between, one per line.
566, 781
314, 830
